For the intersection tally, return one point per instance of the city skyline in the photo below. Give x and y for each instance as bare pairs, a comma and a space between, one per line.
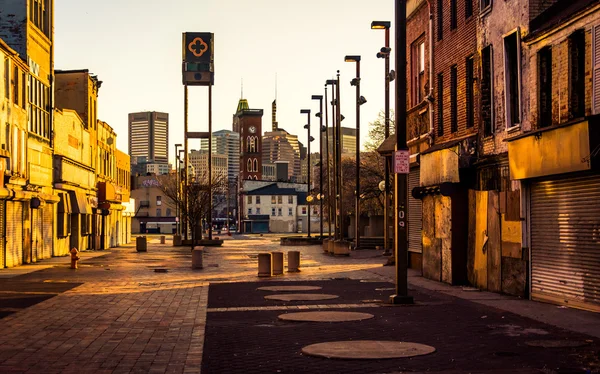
286, 58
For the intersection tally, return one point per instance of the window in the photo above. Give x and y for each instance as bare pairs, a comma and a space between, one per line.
255, 168
249, 211
303, 210
249, 169
279, 212
418, 71
512, 79
257, 210
545, 87
290, 199
279, 199
249, 199
16, 77
440, 112
39, 15
453, 14
453, 99
7, 78
273, 212
168, 212
470, 103
258, 199
158, 200
440, 20
484, 5
486, 91
577, 74
468, 8
158, 212
39, 102
272, 199
290, 211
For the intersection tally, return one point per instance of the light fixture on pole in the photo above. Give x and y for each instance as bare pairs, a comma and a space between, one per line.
310, 139
360, 100
320, 116
333, 201
177, 192
385, 54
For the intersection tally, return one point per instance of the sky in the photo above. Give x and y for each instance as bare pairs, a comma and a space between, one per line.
278, 48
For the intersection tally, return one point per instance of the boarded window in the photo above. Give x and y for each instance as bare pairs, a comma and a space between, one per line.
577, 74
453, 99
470, 94
440, 109
452, 14
512, 79
545, 87
486, 91
440, 20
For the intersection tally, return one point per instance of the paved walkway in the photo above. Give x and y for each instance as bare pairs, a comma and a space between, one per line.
124, 311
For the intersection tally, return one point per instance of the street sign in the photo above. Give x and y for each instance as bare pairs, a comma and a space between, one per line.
198, 58
402, 161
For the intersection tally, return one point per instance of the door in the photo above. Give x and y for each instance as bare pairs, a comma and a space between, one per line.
565, 241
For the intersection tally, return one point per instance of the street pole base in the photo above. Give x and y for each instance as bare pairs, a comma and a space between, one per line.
401, 300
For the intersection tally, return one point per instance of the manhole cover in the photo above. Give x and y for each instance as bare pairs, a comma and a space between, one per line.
289, 288
367, 349
301, 297
556, 343
325, 316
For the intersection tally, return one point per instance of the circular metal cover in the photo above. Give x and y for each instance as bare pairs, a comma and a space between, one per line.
301, 297
289, 288
367, 349
331, 316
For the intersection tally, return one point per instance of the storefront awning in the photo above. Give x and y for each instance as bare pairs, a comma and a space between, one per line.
79, 203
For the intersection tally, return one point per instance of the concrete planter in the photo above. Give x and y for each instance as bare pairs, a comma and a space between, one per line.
265, 265
341, 248
330, 246
277, 263
293, 261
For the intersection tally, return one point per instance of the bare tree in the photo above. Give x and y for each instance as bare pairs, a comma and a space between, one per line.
377, 131
198, 198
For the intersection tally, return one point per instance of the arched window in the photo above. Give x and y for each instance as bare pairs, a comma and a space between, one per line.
249, 168
249, 144
255, 165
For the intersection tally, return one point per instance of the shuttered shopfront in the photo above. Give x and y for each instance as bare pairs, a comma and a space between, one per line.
565, 241
37, 240
47, 230
415, 215
14, 233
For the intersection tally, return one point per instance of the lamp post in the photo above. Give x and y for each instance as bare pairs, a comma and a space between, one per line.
338, 139
182, 222
310, 139
177, 192
333, 178
401, 242
320, 116
329, 199
385, 54
360, 100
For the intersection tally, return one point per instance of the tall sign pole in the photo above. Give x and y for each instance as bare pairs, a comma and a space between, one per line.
401, 162
210, 195
185, 161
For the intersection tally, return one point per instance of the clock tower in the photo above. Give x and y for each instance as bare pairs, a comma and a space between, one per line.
248, 123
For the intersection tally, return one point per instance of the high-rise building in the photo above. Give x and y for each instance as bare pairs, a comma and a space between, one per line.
348, 141
248, 123
282, 146
226, 142
148, 139
199, 160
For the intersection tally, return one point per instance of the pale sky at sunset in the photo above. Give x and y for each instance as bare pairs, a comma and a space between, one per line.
134, 46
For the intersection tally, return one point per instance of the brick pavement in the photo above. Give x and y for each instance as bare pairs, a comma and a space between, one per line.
117, 315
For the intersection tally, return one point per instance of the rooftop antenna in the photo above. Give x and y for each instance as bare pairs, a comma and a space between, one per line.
242, 93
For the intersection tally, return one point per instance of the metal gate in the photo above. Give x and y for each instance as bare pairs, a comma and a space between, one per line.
415, 215
14, 233
47, 230
565, 241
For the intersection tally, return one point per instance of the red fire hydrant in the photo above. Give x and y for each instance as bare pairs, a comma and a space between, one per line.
74, 258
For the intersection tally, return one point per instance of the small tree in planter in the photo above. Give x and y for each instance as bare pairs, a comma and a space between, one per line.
198, 197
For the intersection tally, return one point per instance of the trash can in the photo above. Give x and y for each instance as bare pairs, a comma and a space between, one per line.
162, 239
141, 245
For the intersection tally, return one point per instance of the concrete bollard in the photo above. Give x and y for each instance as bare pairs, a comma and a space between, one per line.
341, 248
197, 255
176, 240
141, 245
325, 245
162, 239
277, 263
265, 265
330, 246
293, 261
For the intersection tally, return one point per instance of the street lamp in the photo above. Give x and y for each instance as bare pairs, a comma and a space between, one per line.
310, 139
401, 242
332, 181
177, 192
183, 179
360, 100
385, 54
320, 116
